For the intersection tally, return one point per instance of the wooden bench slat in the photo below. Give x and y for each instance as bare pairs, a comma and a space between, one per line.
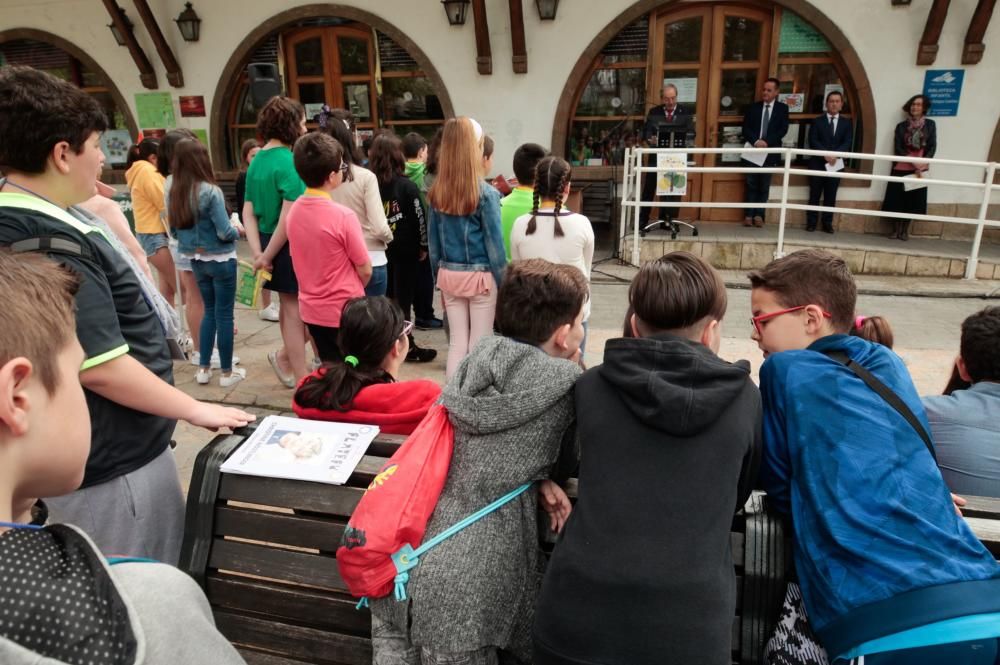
254, 657
982, 506
336, 612
336, 500
282, 528
315, 570
307, 644
988, 532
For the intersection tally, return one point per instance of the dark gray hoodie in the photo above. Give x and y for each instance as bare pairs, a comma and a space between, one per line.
643, 574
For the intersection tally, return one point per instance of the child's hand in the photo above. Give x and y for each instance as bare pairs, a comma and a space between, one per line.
554, 501
959, 502
214, 416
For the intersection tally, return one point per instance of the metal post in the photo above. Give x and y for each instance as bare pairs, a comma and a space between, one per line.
623, 209
970, 266
636, 194
779, 252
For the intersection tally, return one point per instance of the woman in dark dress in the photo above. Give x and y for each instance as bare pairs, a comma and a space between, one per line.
915, 137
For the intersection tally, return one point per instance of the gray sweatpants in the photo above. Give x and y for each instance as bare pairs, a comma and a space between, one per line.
139, 514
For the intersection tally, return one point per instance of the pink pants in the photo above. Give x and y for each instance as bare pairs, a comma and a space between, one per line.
470, 312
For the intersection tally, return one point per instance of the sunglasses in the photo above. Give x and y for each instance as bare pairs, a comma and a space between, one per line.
758, 321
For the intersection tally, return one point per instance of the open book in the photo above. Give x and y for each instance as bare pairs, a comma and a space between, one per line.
298, 449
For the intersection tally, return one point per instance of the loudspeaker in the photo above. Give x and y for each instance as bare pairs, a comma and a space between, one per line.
265, 82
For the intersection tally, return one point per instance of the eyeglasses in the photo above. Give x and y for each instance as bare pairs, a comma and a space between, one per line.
756, 321
344, 166
407, 329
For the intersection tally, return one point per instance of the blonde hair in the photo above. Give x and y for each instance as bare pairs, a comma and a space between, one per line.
456, 188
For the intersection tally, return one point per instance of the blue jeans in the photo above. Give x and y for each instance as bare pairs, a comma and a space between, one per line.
379, 282
217, 283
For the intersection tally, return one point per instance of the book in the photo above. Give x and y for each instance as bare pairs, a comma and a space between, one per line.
299, 449
249, 283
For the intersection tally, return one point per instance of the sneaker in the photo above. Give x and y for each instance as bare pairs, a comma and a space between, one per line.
315, 364
238, 375
269, 313
203, 376
215, 363
417, 354
433, 323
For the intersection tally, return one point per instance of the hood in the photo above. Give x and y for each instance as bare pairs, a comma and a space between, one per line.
504, 384
415, 169
397, 408
672, 384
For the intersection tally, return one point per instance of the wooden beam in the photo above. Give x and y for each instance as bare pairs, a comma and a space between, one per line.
174, 74
147, 75
520, 59
928, 49
484, 55
974, 46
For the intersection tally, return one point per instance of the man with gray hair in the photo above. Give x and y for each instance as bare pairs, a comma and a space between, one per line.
669, 112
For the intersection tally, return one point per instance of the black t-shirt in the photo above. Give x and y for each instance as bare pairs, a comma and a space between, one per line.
405, 214
112, 318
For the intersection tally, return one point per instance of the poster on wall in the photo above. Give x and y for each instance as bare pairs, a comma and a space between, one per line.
687, 89
944, 88
796, 101
192, 106
115, 144
155, 109
668, 181
202, 135
831, 87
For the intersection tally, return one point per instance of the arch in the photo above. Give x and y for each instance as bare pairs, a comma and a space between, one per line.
15, 34
229, 80
838, 40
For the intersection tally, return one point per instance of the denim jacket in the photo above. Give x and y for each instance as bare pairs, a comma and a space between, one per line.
469, 243
212, 233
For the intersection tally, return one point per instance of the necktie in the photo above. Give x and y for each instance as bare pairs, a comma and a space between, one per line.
767, 119
833, 124
670, 115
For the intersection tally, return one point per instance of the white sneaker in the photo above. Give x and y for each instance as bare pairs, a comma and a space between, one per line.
269, 313
215, 363
238, 375
315, 364
203, 376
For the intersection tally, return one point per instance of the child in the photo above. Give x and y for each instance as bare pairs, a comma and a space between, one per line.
197, 213
879, 548
374, 340
145, 184
519, 201
415, 151
472, 597
874, 329
669, 435
63, 602
549, 231
130, 501
405, 215
327, 246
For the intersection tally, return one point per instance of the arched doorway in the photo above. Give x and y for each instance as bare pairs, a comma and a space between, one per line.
55, 55
718, 54
341, 56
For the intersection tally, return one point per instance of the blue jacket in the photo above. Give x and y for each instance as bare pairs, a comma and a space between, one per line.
212, 233
471, 243
878, 546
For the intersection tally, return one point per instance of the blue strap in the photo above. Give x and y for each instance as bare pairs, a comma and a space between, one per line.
114, 560
407, 558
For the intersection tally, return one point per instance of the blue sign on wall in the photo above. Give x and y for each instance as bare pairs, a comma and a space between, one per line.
944, 87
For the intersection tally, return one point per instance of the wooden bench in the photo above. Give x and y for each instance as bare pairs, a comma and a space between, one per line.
263, 550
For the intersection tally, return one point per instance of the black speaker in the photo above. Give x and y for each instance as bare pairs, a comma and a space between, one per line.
265, 82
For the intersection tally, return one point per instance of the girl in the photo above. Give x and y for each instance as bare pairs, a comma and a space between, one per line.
465, 238
374, 339
145, 184
360, 193
874, 329
915, 137
197, 210
405, 215
550, 232
272, 186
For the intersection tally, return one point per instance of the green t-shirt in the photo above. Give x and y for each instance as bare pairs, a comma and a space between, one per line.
512, 206
272, 179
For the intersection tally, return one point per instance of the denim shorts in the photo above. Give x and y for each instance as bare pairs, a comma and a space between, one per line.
182, 263
151, 242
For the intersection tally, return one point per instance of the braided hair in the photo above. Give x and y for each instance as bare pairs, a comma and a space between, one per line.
551, 177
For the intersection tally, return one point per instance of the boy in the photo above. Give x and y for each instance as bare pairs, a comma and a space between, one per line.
415, 153
881, 555
669, 435
130, 501
966, 423
89, 611
519, 201
326, 242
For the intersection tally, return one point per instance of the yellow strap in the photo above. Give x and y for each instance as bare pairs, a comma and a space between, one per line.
28, 202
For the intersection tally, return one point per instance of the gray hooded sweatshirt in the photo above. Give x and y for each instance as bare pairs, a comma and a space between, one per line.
60, 602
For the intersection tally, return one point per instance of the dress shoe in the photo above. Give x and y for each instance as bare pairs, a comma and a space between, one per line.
758, 221
747, 221
827, 229
810, 229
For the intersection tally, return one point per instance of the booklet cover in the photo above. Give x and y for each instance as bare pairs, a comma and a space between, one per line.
298, 449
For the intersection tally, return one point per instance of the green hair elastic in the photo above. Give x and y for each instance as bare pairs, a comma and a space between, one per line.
351, 360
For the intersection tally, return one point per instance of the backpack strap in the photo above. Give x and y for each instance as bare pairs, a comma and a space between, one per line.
51, 245
886, 393
115, 560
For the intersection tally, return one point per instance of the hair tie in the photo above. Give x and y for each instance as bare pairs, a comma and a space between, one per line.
351, 360
859, 321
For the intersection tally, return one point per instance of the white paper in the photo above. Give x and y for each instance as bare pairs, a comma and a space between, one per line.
836, 166
669, 181
298, 449
757, 158
914, 181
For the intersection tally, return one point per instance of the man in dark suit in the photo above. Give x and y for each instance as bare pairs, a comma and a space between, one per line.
765, 124
668, 112
831, 132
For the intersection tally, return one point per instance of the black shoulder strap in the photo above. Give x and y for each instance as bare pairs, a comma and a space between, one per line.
885, 393
51, 245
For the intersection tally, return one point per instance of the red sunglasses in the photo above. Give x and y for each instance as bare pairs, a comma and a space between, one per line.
756, 321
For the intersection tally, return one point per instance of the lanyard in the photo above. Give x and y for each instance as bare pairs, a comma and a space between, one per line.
4, 182
16, 525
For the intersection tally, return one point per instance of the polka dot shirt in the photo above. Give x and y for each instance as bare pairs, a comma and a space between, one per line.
57, 600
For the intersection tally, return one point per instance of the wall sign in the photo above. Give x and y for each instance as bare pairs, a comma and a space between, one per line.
944, 88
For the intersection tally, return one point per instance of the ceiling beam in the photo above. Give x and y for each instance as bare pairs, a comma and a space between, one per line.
484, 54
520, 59
972, 53
174, 74
928, 49
147, 75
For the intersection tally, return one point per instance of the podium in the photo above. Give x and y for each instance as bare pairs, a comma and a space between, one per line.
673, 134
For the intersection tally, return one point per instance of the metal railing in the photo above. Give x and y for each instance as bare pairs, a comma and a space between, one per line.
634, 171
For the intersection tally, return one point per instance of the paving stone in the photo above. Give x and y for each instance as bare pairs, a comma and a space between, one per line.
884, 263
927, 266
722, 255
756, 255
